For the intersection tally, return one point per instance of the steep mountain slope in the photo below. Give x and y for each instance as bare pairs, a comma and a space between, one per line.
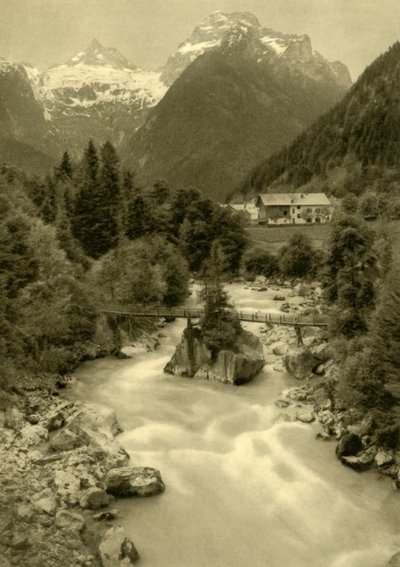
250, 91
24, 132
97, 94
363, 130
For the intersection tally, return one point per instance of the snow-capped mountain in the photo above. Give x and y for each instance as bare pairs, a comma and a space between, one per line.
239, 92
99, 75
96, 94
292, 50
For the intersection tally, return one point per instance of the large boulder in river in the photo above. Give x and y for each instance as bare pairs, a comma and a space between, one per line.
116, 549
192, 358
300, 361
123, 482
94, 426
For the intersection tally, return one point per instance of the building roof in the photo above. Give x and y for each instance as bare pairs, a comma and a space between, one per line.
282, 199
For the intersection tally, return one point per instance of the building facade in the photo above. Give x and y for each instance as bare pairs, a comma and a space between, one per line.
293, 208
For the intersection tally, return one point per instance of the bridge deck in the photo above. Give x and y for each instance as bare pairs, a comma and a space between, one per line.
255, 317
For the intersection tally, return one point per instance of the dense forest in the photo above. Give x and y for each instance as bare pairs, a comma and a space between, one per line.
87, 236
352, 149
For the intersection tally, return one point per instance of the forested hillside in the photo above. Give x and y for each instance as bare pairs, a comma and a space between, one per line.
85, 237
351, 148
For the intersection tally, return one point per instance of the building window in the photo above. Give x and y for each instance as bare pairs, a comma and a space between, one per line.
309, 220
298, 206
309, 210
293, 211
299, 216
284, 213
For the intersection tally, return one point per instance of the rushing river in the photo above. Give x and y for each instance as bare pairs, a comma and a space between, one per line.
244, 489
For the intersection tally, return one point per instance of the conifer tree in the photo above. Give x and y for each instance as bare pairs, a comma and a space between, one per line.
385, 330
48, 207
86, 204
138, 218
351, 270
64, 170
218, 330
109, 199
98, 201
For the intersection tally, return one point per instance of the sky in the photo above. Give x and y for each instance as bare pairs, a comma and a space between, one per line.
47, 32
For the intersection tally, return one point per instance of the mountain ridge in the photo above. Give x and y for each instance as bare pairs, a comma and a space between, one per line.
359, 132
99, 94
234, 102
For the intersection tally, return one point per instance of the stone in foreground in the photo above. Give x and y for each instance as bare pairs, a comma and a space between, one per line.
128, 481
94, 498
116, 549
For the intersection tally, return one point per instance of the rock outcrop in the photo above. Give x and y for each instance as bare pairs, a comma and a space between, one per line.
54, 460
94, 427
193, 359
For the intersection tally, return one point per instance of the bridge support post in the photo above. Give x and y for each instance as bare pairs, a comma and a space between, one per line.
299, 336
189, 338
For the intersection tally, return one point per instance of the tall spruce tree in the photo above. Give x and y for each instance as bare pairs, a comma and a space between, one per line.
97, 204
84, 222
109, 199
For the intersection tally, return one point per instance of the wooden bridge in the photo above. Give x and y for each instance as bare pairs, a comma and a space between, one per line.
297, 320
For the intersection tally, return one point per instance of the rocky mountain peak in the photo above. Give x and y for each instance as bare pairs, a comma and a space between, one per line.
98, 55
241, 38
241, 32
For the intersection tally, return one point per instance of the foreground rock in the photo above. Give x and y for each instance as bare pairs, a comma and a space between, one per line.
134, 481
193, 359
116, 549
93, 426
54, 459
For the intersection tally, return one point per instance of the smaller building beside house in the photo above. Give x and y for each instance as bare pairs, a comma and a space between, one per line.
249, 211
293, 208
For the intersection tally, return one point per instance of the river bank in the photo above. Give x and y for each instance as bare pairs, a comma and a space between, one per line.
246, 481
56, 456
234, 464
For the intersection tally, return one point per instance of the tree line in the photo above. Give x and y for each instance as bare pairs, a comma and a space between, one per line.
354, 142
86, 236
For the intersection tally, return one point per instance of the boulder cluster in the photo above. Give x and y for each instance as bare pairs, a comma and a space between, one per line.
61, 469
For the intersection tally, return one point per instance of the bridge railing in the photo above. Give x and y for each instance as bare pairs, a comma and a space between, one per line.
255, 317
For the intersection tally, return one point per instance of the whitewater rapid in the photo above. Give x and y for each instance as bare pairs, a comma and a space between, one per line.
244, 488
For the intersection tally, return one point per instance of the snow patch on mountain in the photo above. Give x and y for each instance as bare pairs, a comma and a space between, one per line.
277, 44
198, 47
98, 76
